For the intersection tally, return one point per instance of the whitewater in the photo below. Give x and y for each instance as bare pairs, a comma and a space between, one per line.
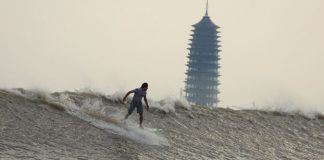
35, 124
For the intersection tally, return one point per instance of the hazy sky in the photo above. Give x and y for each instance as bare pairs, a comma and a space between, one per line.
270, 48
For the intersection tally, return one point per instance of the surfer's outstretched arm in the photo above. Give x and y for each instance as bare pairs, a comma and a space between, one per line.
147, 106
128, 93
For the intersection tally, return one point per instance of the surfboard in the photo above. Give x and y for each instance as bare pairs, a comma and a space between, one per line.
154, 130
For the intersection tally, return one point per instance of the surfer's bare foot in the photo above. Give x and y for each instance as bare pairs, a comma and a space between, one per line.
141, 126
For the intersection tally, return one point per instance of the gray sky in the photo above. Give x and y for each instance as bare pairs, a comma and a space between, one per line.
270, 48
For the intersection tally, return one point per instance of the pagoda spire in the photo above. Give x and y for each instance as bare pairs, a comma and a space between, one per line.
206, 14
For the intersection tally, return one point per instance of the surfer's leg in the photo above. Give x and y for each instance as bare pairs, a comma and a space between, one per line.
141, 119
140, 110
126, 116
130, 110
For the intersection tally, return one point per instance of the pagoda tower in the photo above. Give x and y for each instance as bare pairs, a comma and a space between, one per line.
201, 84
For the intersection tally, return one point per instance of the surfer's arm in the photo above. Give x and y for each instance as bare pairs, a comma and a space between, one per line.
128, 93
147, 106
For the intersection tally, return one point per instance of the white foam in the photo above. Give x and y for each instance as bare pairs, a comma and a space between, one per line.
169, 104
310, 111
91, 110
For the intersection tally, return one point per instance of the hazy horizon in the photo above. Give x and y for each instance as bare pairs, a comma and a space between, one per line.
272, 51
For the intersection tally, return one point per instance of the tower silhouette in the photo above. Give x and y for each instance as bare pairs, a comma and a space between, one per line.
201, 84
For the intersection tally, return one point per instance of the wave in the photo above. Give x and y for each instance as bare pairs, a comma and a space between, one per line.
96, 108
89, 125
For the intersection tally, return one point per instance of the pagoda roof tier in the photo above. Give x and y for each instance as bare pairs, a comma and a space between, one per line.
206, 82
203, 38
193, 78
199, 30
195, 52
202, 91
205, 22
201, 69
206, 90
205, 34
202, 101
204, 55
208, 72
199, 44
205, 42
202, 50
205, 66
202, 75
203, 45
202, 66
212, 61
212, 97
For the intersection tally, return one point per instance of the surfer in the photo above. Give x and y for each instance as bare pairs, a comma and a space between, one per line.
139, 93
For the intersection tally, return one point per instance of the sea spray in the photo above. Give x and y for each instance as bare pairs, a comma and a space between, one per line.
94, 112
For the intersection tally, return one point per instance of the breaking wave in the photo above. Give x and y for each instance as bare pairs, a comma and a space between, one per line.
89, 125
89, 106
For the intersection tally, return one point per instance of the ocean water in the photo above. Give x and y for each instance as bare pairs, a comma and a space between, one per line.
88, 125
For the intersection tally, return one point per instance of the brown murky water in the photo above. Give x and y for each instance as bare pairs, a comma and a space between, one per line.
37, 125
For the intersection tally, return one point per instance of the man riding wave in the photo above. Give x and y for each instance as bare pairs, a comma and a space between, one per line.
139, 93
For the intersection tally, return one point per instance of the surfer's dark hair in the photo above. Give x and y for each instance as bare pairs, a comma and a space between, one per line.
144, 85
